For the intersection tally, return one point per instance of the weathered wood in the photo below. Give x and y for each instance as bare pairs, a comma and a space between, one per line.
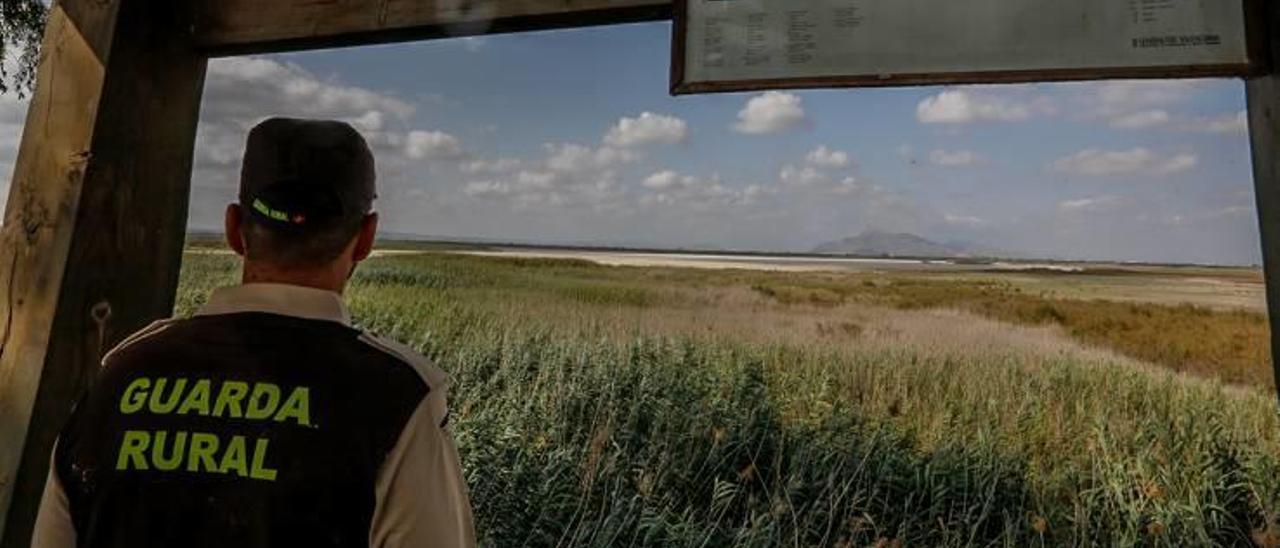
1263, 94
252, 26
96, 217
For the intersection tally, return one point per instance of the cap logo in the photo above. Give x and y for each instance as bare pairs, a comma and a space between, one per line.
276, 214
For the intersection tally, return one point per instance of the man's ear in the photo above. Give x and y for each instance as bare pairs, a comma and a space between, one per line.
364, 241
233, 223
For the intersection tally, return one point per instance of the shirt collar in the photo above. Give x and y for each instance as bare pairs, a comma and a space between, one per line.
282, 299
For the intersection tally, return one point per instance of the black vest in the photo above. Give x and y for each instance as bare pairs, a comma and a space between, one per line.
246, 429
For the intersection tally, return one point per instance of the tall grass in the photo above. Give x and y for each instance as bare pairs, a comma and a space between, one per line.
578, 435
1231, 345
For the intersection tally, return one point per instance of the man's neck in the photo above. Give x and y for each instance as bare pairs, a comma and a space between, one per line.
313, 278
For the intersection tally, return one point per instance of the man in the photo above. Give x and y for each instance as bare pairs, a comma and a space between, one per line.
266, 419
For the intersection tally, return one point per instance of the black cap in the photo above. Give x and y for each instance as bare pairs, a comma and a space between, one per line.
302, 175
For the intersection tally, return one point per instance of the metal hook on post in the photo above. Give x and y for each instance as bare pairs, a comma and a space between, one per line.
101, 314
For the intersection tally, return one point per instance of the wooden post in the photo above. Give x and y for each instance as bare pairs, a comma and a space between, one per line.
94, 227
234, 27
1263, 93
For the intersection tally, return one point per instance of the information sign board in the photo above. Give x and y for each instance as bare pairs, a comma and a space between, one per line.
725, 45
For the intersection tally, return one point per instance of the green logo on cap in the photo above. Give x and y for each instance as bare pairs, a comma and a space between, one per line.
275, 213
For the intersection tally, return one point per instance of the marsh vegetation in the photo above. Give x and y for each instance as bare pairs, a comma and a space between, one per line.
607, 406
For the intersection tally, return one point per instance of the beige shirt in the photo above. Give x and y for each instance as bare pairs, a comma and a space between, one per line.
421, 498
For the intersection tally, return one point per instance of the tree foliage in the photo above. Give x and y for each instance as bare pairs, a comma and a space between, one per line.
21, 27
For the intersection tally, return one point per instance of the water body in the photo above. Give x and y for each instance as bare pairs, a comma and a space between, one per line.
781, 263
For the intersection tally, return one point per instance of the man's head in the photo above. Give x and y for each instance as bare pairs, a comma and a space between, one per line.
304, 215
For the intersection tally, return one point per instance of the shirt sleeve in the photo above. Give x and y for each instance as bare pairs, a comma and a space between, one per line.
421, 495
54, 528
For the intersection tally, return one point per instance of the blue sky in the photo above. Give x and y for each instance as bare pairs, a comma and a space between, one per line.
571, 136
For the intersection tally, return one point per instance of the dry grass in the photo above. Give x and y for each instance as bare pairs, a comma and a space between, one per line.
1230, 345
605, 406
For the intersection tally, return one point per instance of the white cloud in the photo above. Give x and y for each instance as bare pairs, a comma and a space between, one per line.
648, 128
770, 112
852, 185
828, 158
1142, 119
795, 185
690, 192
1178, 163
1218, 214
1234, 211
686, 185
368, 122
963, 106
957, 158
575, 158
1091, 204
802, 176
431, 145
1147, 104
755, 192
487, 188
569, 175
662, 180
1140, 160
1122, 97
240, 87
574, 174
814, 178
1234, 124
963, 220
816, 195
525, 183
496, 166
242, 91
536, 180
1237, 123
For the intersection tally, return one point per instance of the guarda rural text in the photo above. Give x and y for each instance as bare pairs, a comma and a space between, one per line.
204, 452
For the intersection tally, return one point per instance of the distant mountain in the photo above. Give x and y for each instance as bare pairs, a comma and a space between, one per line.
873, 243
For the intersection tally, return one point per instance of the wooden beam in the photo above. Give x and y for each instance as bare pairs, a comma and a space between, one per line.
1263, 93
234, 27
96, 217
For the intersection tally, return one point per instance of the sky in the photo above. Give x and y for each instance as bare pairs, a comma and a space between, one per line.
572, 137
